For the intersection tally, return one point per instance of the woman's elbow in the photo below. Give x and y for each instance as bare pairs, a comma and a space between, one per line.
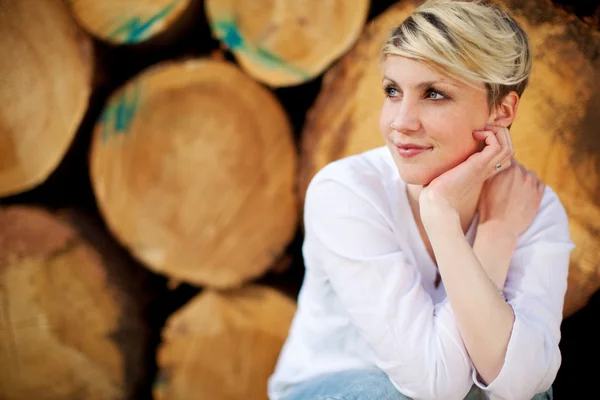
552, 363
535, 373
440, 382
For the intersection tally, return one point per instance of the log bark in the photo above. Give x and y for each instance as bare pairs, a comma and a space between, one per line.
193, 167
223, 346
553, 132
286, 43
45, 82
69, 325
127, 22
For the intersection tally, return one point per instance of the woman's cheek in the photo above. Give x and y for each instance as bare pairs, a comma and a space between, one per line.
467, 148
385, 120
382, 129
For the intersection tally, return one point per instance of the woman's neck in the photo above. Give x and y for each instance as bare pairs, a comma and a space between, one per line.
466, 212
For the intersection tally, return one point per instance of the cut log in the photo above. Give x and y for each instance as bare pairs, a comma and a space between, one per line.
129, 21
193, 167
45, 83
286, 43
69, 327
223, 346
554, 133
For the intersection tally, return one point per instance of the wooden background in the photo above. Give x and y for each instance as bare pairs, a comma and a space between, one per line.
163, 308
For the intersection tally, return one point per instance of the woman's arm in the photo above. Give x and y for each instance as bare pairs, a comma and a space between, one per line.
494, 246
535, 287
485, 320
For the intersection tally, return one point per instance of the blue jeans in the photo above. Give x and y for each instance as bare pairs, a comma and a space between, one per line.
365, 384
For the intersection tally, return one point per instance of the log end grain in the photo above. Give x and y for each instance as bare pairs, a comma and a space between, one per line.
286, 43
193, 166
127, 22
66, 331
223, 345
46, 69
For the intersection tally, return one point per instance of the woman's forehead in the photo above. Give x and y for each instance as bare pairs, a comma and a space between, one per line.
409, 73
413, 73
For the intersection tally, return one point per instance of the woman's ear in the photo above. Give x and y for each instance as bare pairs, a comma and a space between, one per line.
505, 113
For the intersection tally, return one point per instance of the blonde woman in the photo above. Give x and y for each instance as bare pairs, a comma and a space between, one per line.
436, 265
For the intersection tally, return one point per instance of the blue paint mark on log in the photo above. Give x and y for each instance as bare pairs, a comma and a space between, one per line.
228, 32
135, 31
118, 115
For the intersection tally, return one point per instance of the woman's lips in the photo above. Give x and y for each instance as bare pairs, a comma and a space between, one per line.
411, 150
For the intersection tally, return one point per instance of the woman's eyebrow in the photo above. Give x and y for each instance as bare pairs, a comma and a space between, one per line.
422, 84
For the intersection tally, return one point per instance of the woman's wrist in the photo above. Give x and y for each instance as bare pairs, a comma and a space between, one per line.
437, 213
498, 231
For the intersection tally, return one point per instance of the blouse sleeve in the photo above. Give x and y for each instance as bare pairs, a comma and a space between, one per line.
535, 288
414, 341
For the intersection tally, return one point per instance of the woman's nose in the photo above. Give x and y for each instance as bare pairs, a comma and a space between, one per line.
406, 118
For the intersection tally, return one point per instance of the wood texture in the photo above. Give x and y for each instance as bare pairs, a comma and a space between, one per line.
284, 43
193, 166
554, 133
223, 346
45, 83
127, 21
69, 328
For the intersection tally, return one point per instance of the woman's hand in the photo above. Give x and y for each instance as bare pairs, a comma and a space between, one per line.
447, 191
510, 200
508, 204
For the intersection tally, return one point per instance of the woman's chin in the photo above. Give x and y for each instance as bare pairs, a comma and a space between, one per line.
412, 177
415, 173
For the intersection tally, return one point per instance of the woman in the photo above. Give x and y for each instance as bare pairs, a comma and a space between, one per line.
444, 196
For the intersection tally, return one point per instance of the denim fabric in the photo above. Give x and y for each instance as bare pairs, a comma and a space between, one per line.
364, 384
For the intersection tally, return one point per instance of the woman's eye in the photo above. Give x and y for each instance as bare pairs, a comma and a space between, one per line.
437, 93
390, 91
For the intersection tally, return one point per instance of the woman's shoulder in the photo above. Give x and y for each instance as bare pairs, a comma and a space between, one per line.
360, 183
551, 207
551, 223
370, 170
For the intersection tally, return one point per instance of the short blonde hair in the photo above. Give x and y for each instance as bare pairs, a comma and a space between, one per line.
473, 41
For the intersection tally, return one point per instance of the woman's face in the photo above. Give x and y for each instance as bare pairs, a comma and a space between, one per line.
429, 110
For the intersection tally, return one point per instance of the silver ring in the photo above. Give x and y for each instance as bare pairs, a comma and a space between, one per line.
392, 125
498, 166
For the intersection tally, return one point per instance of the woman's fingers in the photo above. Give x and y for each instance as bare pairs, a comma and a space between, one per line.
538, 182
492, 147
541, 186
504, 158
507, 147
503, 136
491, 155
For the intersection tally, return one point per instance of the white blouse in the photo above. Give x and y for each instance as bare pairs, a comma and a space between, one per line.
368, 298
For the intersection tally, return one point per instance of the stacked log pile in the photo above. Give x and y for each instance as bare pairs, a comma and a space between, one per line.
129, 154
